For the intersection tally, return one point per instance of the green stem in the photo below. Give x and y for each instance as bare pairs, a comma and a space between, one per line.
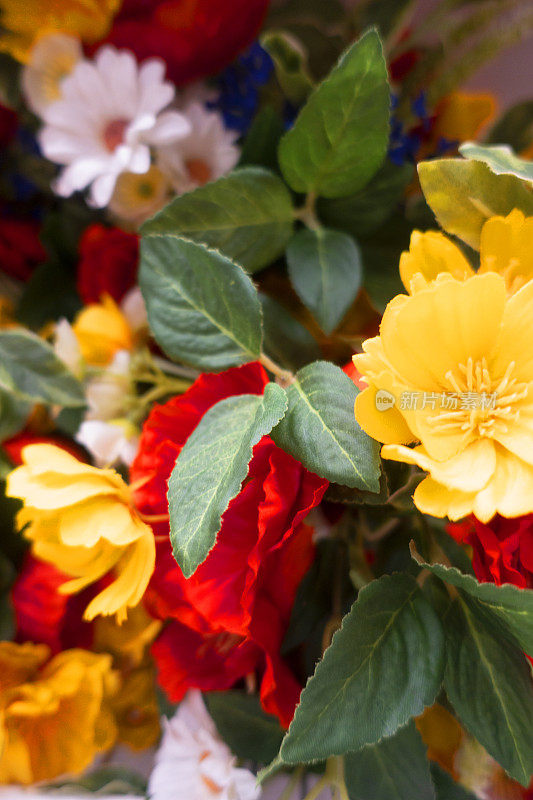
307, 213
285, 377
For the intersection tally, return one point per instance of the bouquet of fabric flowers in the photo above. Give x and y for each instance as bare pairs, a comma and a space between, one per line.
266, 402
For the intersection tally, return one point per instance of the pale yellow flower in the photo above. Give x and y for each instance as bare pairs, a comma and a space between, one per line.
505, 248
52, 58
455, 378
53, 716
25, 21
138, 197
82, 520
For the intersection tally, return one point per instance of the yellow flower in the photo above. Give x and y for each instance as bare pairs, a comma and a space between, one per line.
52, 59
506, 248
137, 197
453, 375
102, 330
25, 21
461, 115
82, 520
53, 714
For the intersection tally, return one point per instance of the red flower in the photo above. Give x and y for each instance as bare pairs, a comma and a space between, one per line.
20, 248
44, 615
230, 617
13, 446
503, 548
8, 125
195, 38
108, 263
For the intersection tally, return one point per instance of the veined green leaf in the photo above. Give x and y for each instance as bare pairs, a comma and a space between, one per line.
445, 786
500, 159
211, 468
341, 135
319, 428
247, 215
202, 308
249, 732
383, 667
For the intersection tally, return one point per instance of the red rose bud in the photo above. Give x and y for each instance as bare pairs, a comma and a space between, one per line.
229, 618
195, 38
108, 263
20, 248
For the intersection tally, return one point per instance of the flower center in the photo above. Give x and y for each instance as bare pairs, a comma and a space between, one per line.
198, 170
478, 403
114, 132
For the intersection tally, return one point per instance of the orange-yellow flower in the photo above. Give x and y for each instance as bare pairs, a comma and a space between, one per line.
53, 716
102, 330
456, 380
82, 520
25, 21
461, 115
505, 248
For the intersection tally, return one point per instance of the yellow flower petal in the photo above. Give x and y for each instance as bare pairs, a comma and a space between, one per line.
387, 426
102, 330
430, 254
506, 248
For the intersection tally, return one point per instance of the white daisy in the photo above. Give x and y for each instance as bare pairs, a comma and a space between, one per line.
109, 443
52, 59
67, 347
194, 758
109, 114
208, 152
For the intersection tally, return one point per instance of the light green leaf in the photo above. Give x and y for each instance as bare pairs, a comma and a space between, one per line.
500, 159
285, 339
341, 135
325, 270
464, 194
290, 64
211, 468
446, 788
394, 769
247, 215
363, 213
488, 682
30, 370
513, 606
249, 732
319, 428
383, 667
202, 308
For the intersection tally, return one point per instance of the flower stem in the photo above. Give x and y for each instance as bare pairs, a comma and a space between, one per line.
285, 377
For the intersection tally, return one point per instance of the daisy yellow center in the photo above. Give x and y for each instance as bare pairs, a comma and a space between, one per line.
198, 170
113, 133
487, 405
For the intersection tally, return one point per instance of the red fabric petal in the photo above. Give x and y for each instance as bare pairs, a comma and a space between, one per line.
108, 263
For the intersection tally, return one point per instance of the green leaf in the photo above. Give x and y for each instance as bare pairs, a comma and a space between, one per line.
290, 64
284, 338
364, 212
103, 781
202, 308
381, 254
49, 295
515, 127
30, 370
394, 769
325, 270
446, 788
249, 732
513, 606
260, 146
382, 668
319, 428
14, 413
488, 682
247, 215
211, 468
340, 137
500, 159
464, 194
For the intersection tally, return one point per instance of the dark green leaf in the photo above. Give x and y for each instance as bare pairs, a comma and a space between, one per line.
340, 137
105, 780
381, 254
363, 213
387, 15
261, 144
14, 413
488, 682
211, 468
247, 215
290, 64
513, 606
319, 428
249, 732
464, 194
515, 127
30, 370
382, 668
445, 786
394, 769
49, 295
325, 270
284, 338
202, 308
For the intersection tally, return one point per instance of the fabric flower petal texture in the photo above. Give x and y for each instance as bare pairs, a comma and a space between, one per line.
54, 716
229, 618
82, 520
110, 112
458, 383
108, 263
